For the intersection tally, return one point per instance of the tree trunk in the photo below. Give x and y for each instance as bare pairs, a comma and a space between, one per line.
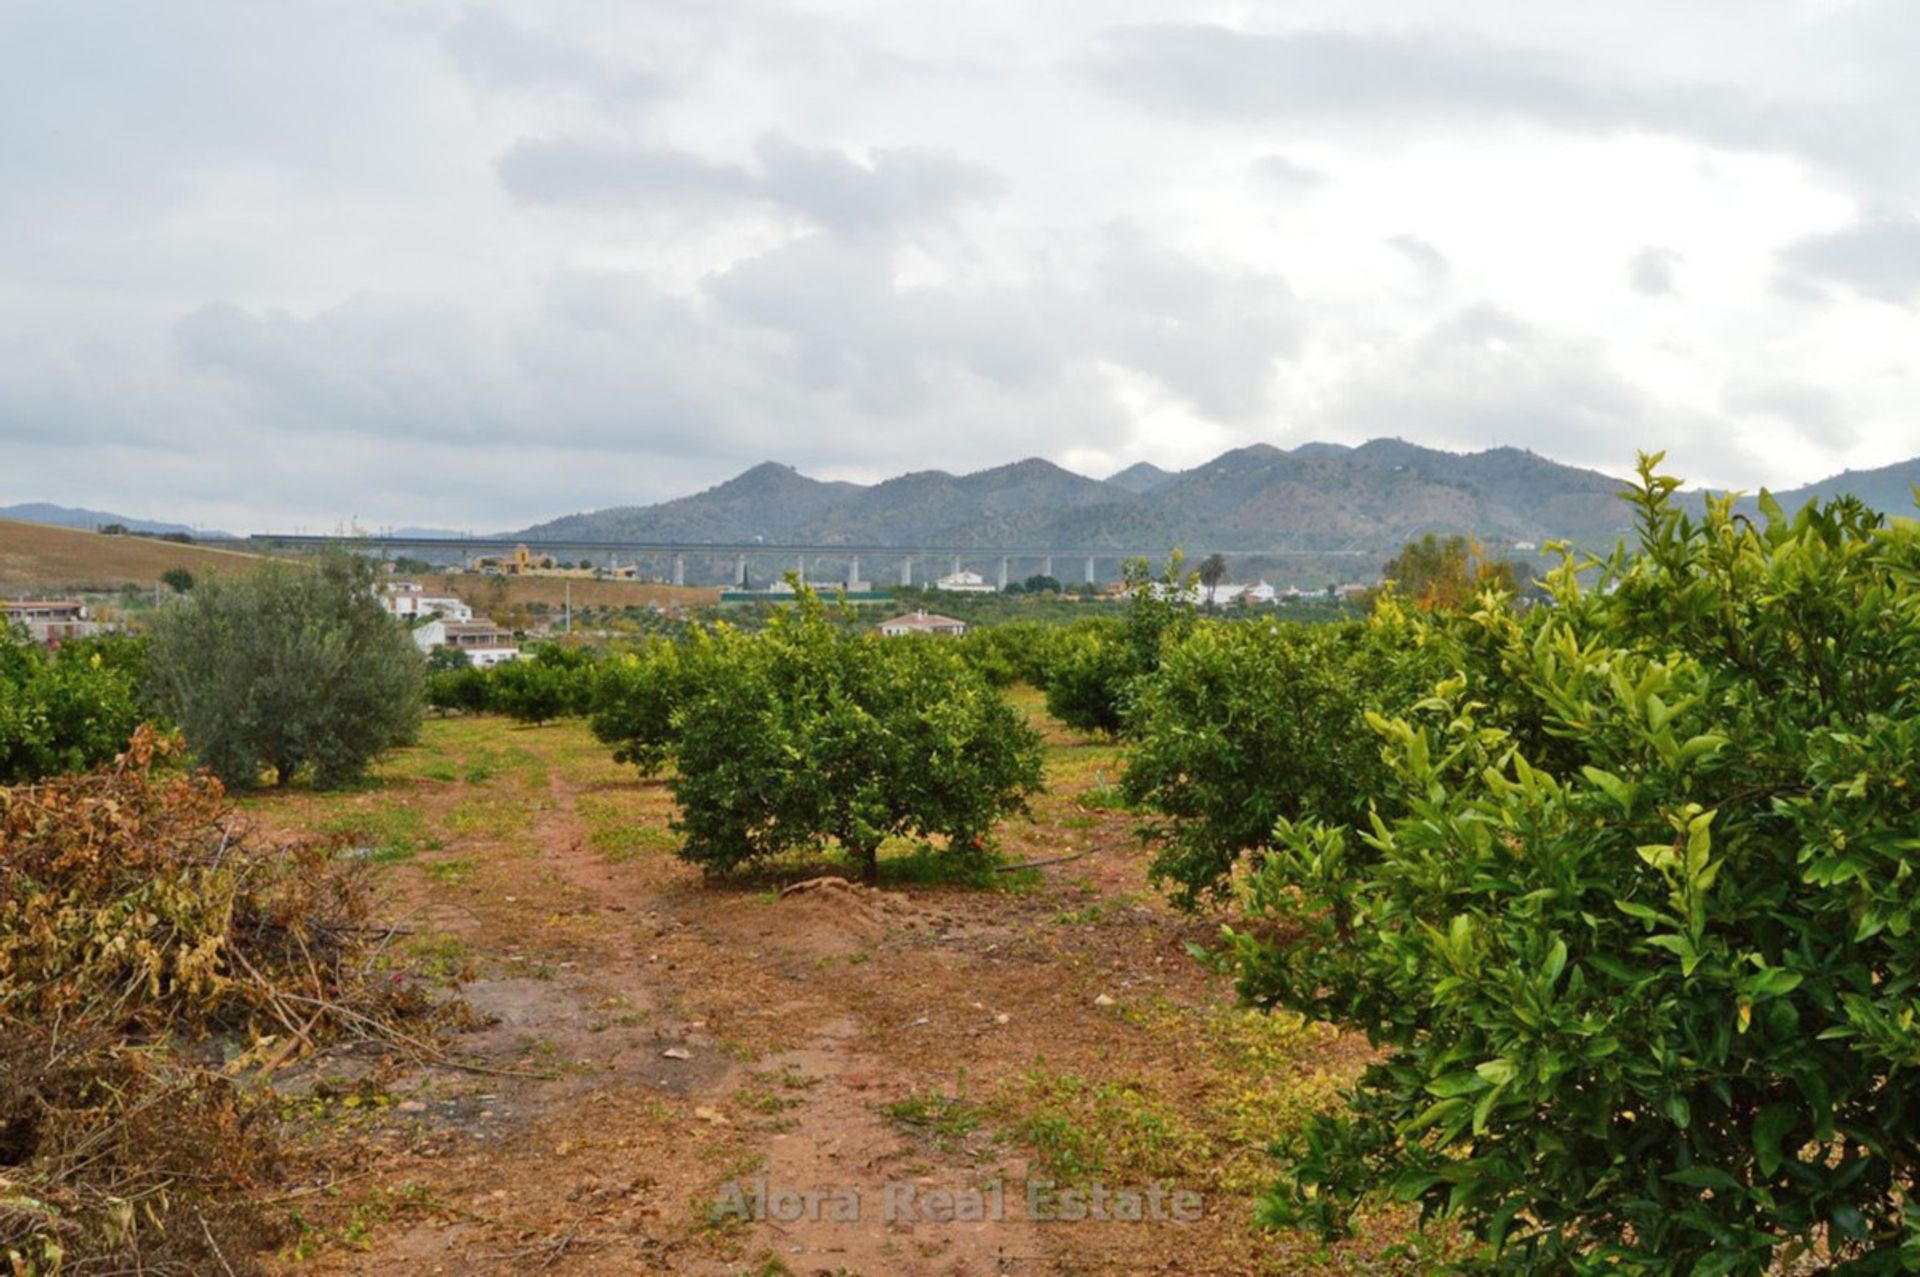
870, 867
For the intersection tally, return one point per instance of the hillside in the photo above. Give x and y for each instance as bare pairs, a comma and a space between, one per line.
38, 558
1890, 489
1316, 497
64, 516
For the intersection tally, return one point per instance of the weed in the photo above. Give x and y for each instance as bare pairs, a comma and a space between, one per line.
945, 1120
388, 833
452, 873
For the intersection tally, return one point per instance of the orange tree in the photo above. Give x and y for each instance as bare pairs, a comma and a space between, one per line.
1644, 1001
1242, 725
805, 732
62, 714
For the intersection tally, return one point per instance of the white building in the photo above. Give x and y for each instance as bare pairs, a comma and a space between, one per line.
964, 582
50, 621
922, 622
484, 642
409, 600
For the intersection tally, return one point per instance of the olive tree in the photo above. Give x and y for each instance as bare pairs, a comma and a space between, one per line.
806, 733
288, 667
1647, 1006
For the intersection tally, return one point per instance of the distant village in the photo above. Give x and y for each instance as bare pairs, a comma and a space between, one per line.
440, 620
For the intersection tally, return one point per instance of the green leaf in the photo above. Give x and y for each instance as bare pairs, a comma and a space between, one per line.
1496, 1072
1703, 1177
1769, 1128
1455, 1084
1774, 982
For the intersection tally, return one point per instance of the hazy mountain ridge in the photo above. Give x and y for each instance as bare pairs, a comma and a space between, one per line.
62, 516
1315, 497
1318, 496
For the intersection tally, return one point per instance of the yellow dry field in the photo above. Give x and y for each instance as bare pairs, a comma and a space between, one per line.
40, 558
498, 593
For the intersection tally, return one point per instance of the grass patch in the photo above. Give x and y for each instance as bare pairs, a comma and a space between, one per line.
452, 873
921, 865
943, 1120
1081, 1129
441, 957
387, 833
500, 819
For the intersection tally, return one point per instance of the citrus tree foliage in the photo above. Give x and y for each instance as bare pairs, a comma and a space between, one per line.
1015, 652
1650, 1008
1244, 725
638, 693
285, 668
549, 681
62, 714
1091, 669
1434, 574
804, 733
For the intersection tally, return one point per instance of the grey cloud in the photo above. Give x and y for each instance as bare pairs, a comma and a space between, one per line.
1815, 413
1211, 338
896, 188
1651, 271
1287, 175
1878, 258
569, 171
1434, 79
499, 53
1485, 377
1425, 258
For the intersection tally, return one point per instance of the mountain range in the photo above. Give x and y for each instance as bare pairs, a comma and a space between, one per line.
1317, 497
63, 516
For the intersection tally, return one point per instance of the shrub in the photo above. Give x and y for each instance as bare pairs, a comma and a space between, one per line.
1016, 652
637, 694
287, 668
1243, 725
462, 691
1088, 673
1650, 1010
62, 714
549, 682
805, 733
1091, 671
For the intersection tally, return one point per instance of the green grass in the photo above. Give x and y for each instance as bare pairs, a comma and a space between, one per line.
620, 832
498, 818
944, 1120
452, 873
1081, 1129
390, 833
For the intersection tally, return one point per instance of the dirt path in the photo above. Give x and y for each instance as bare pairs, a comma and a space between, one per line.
715, 1080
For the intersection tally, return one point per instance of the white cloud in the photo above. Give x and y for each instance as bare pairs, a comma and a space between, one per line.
435, 262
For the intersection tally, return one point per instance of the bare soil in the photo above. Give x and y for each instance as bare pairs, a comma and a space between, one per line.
653, 1054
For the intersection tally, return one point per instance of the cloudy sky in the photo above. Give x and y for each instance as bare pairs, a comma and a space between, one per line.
468, 265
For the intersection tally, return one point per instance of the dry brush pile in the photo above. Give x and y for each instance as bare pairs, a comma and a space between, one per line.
155, 964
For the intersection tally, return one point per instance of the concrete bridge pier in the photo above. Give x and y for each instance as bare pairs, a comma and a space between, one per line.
906, 572
739, 569
1003, 572
800, 566
1046, 566
956, 565
679, 569
1089, 576
853, 572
